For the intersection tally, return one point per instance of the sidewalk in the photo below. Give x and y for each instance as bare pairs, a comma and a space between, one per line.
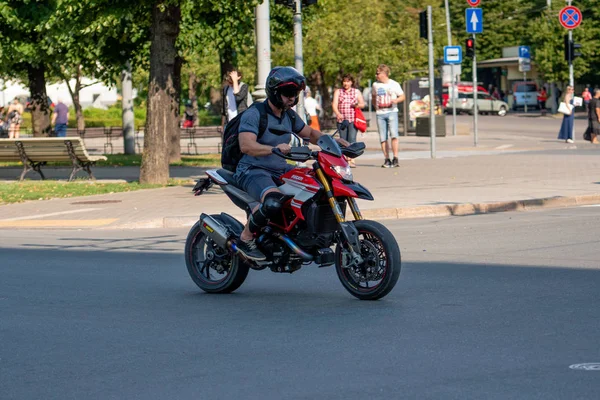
505, 172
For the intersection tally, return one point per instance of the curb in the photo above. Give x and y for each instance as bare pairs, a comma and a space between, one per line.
463, 209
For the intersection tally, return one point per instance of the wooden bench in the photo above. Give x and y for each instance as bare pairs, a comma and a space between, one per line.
200, 132
35, 152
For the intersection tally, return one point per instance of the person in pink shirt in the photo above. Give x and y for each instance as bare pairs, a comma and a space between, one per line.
587, 97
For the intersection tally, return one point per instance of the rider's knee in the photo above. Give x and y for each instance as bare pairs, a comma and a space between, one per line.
272, 204
270, 207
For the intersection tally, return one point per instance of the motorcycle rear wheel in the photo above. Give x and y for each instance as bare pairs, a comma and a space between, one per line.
213, 269
378, 274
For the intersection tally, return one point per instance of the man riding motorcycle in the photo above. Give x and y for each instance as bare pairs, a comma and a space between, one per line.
259, 168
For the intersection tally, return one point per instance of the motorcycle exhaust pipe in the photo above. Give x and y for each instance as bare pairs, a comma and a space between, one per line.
294, 247
214, 230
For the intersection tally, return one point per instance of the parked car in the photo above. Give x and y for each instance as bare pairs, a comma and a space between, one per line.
486, 104
525, 93
461, 87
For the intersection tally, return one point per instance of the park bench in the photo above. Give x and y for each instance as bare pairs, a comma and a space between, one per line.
200, 132
36, 152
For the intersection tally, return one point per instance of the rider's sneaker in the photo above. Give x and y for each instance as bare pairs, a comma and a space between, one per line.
249, 250
395, 162
387, 164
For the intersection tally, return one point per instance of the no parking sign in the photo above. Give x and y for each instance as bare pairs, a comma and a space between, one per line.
570, 17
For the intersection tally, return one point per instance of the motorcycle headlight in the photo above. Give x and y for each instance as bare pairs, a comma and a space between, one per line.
343, 172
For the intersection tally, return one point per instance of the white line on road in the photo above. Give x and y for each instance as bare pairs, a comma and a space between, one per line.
51, 214
504, 146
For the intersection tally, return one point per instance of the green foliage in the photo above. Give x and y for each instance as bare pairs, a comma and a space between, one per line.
43, 190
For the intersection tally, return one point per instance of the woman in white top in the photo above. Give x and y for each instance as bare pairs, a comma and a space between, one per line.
311, 106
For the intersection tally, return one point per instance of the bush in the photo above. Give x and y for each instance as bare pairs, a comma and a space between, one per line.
96, 117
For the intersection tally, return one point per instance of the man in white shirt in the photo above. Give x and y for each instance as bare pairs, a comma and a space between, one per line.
386, 95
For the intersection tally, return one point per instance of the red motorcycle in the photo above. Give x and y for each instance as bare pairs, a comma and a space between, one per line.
312, 221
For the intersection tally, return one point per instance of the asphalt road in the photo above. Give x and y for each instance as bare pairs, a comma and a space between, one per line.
487, 307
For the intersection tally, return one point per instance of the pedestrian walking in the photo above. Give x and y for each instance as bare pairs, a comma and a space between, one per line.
15, 118
60, 118
234, 95
189, 115
496, 94
345, 100
594, 117
386, 95
311, 106
587, 97
566, 128
542, 96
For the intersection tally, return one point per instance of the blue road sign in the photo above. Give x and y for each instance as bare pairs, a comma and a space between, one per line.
452, 54
474, 19
524, 52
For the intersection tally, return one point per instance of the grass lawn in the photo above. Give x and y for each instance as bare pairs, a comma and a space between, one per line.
124, 160
42, 190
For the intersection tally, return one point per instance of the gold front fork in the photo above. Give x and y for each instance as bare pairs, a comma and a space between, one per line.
335, 207
337, 211
354, 208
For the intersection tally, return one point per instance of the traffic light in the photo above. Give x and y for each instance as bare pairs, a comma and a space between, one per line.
423, 25
571, 50
470, 47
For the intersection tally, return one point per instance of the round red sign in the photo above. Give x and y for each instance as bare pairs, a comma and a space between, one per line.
570, 17
473, 3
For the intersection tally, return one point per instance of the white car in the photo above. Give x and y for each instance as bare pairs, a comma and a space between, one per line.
486, 104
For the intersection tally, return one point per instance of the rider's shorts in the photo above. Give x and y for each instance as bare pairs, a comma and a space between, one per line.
256, 181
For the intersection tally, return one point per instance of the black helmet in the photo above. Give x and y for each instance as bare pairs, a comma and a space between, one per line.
284, 80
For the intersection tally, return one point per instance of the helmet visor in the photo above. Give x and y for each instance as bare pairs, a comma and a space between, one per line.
290, 90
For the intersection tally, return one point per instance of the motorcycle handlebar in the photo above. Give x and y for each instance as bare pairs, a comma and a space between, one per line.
300, 154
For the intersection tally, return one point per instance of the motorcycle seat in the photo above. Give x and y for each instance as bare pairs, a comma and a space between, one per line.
227, 175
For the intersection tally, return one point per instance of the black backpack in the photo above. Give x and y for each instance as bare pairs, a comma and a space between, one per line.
232, 154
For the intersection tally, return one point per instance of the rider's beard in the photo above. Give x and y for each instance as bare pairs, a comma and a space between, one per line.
286, 106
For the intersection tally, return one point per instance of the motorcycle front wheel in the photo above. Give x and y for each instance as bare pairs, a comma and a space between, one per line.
377, 275
211, 267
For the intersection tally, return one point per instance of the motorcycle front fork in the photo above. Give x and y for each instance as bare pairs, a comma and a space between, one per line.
349, 231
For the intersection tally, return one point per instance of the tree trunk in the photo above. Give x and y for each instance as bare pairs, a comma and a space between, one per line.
227, 61
192, 91
175, 137
76, 99
40, 110
162, 102
77, 102
326, 100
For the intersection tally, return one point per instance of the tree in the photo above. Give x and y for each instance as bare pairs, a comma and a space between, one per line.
24, 49
163, 105
96, 39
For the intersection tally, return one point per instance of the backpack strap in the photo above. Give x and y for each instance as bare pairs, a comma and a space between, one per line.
292, 115
264, 117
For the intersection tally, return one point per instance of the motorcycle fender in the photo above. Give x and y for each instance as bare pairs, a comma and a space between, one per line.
360, 191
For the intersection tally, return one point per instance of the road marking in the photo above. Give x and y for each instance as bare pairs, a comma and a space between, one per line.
51, 214
56, 223
591, 205
504, 146
586, 366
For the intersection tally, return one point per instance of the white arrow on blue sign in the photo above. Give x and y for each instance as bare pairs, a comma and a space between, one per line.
452, 54
474, 20
524, 52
